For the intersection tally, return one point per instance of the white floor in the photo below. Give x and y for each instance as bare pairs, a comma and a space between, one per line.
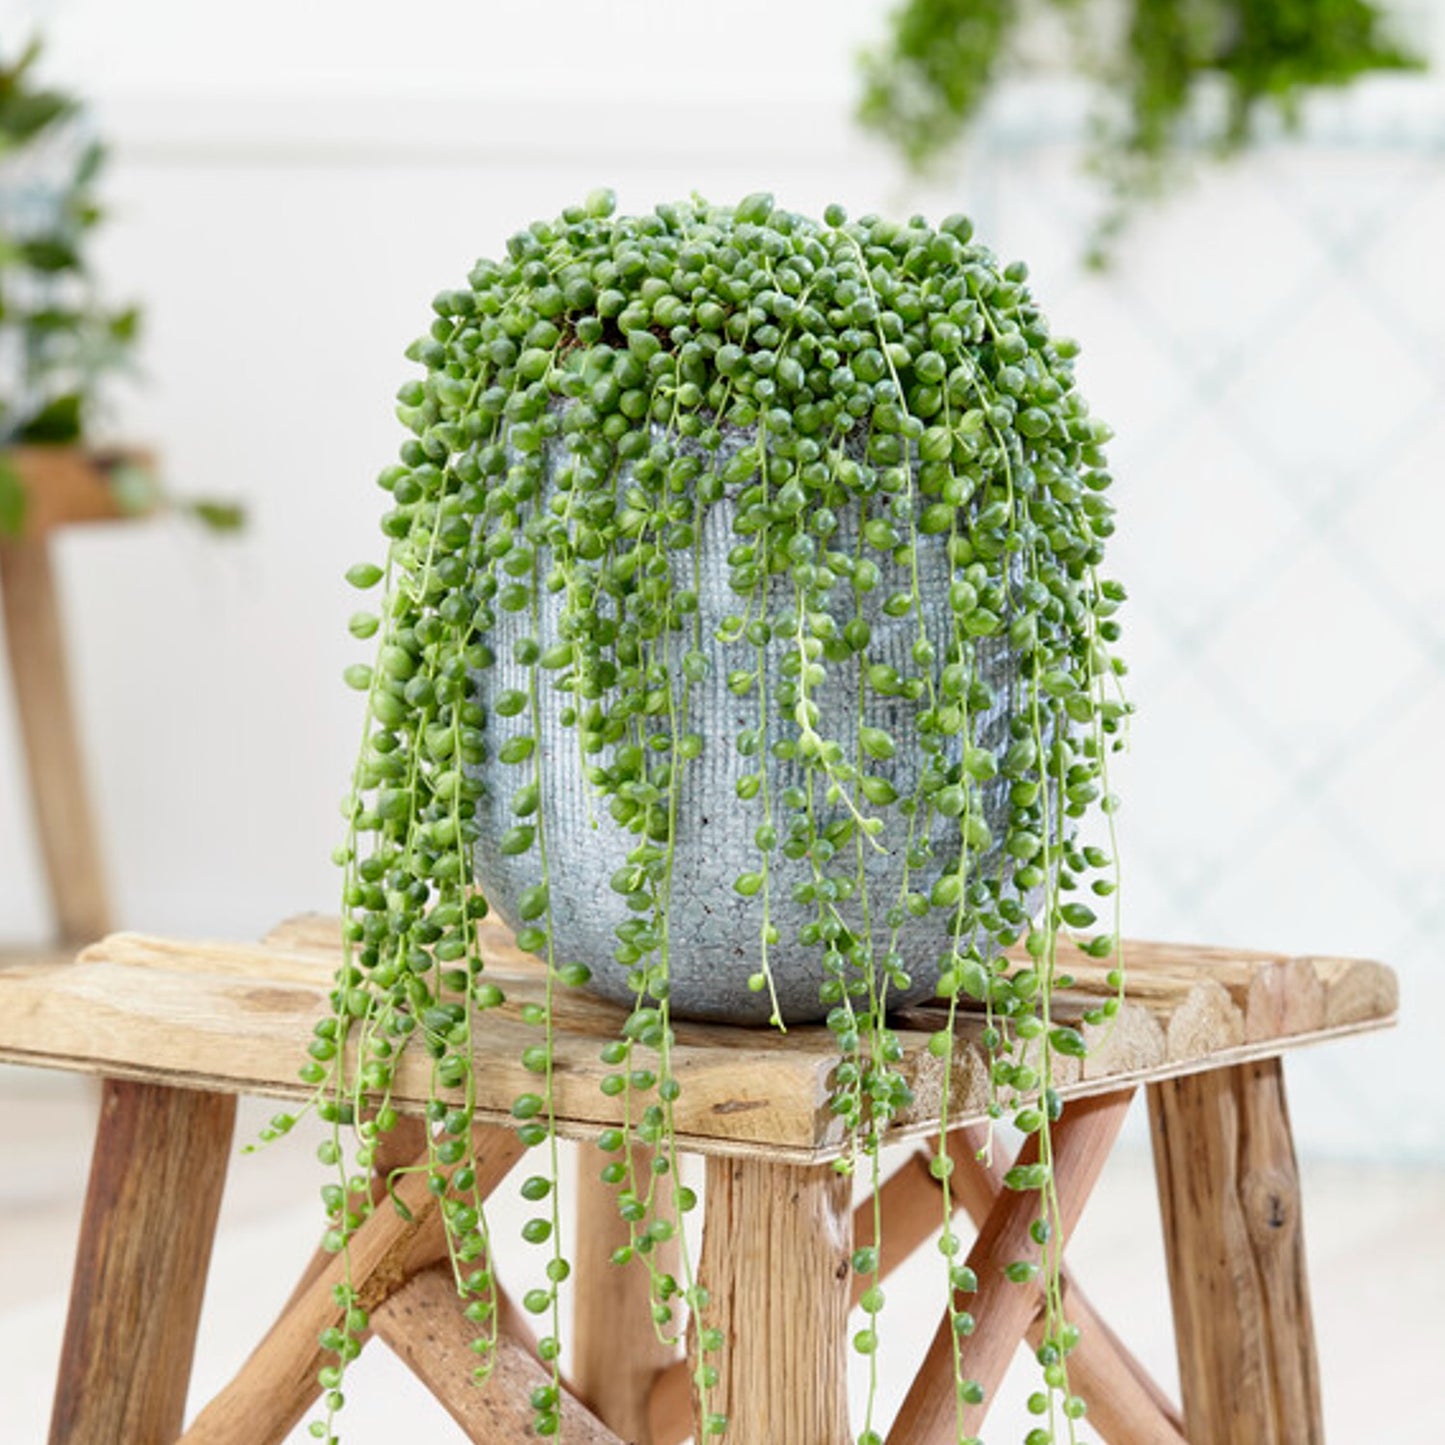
1376, 1242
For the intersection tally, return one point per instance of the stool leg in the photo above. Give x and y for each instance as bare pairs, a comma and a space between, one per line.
278, 1382
616, 1352
1126, 1407
140, 1271
932, 1413
1229, 1195
775, 1260
54, 764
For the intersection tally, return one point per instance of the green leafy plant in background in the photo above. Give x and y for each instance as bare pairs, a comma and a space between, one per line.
927, 82
59, 342
850, 393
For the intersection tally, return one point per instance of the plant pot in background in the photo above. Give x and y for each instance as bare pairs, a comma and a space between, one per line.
44, 487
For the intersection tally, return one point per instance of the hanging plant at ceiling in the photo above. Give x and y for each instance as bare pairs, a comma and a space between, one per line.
60, 343
927, 82
743, 638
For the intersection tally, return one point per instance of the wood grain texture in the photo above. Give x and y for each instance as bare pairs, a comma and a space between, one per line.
395, 1150
1230, 1199
775, 1259
278, 1383
1125, 1405
66, 485
228, 1016
670, 1410
616, 1354
930, 1413
424, 1324
140, 1269
54, 764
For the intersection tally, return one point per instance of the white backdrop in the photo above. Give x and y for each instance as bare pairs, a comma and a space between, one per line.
293, 182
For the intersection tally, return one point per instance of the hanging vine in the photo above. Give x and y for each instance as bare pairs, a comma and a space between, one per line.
927, 82
882, 421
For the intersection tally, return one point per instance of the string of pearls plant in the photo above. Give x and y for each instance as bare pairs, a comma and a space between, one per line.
847, 395
1169, 81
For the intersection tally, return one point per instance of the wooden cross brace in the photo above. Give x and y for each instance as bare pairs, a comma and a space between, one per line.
399, 1272
778, 1235
776, 1259
1130, 1409
402, 1278
1230, 1201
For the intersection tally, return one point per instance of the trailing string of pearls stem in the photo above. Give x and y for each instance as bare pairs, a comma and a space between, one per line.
724, 493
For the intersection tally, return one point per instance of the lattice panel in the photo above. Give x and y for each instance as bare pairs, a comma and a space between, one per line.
1271, 351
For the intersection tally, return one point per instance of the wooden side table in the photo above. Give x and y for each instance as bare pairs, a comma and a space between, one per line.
180, 1028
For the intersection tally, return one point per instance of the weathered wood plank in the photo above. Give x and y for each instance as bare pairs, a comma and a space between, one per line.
424, 1324
235, 1019
931, 1413
278, 1382
140, 1269
230, 1016
1126, 1407
775, 1259
403, 1146
1230, 1199
616, 1353
1268, 988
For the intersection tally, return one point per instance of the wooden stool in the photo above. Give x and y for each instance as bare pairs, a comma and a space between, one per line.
179, 1029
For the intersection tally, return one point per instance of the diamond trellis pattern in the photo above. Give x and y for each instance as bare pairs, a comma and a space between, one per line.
1355, 387
1208, 479
1283, 654
1402, 555
1271, 351
1403, 758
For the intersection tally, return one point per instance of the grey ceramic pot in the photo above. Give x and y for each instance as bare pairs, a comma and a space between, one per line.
714, 932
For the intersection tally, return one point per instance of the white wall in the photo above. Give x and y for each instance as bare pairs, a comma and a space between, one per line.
294, 181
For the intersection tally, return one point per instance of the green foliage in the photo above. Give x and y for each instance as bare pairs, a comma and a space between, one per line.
848, 393
13, 503
925, 85
61, 343
942, 59
51, 320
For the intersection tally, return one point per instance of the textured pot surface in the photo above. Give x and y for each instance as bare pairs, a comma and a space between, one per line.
714, 934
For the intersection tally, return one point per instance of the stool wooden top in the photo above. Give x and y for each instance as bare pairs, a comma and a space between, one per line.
235, 1018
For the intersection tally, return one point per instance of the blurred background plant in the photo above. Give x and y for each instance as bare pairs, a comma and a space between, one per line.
59, 340
1170, 77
